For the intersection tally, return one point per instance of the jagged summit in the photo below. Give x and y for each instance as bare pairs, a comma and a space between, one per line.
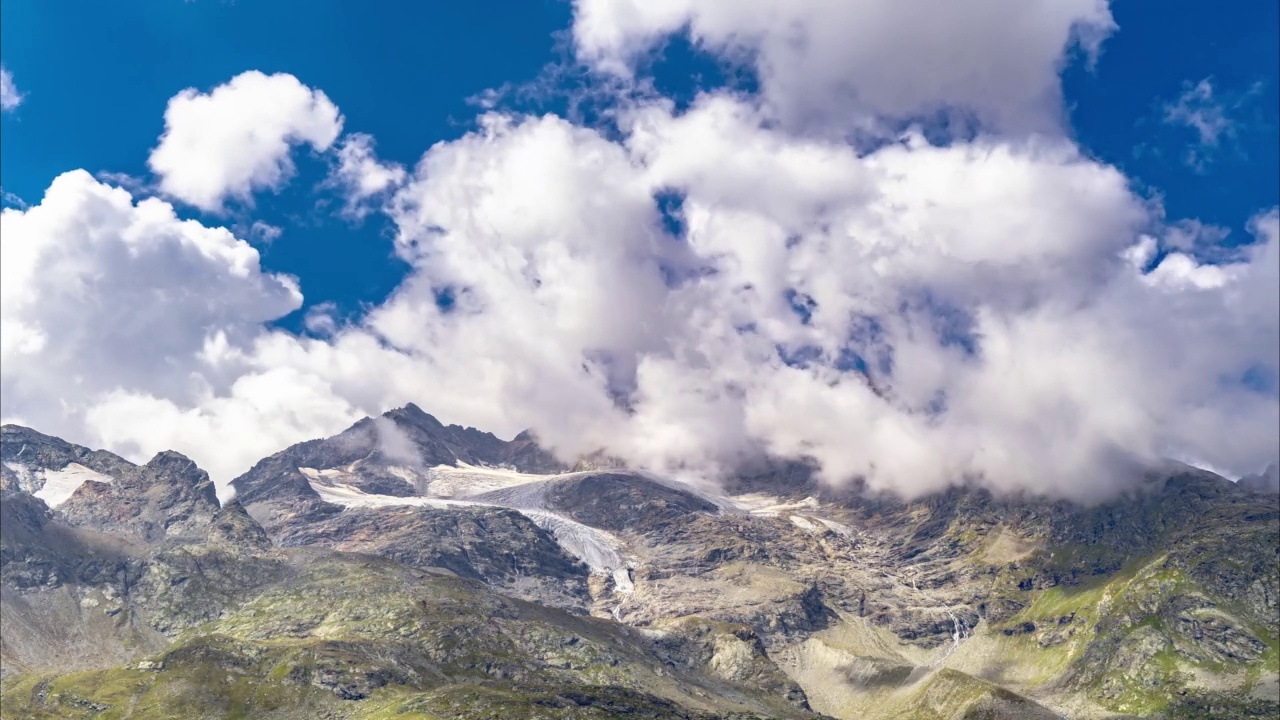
414, 415
387, 455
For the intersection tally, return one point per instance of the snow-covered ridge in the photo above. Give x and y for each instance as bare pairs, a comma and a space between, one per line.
54, 487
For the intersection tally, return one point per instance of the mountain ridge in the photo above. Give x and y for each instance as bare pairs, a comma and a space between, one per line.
837, 603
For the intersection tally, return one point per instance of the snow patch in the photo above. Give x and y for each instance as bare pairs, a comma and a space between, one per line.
60, 484
838, 528
622, 581
28, 481
771, 505
347, 496
804, 523
330, 475
468, 480
599, 550
409, 475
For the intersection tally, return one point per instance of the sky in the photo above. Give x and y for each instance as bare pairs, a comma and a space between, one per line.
916, 242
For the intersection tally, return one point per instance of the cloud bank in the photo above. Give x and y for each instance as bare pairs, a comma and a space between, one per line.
689, 288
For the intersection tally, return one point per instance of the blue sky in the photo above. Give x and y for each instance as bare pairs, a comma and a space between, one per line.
1073, 261
97, 76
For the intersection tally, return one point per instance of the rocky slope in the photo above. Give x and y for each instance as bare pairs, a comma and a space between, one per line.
167, 497
405, 568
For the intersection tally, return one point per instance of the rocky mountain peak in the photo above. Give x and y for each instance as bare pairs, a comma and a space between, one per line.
386, 455
171, 461
411, 414
176, 467
232, 526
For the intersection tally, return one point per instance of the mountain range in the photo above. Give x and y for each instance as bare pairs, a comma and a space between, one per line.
405, 568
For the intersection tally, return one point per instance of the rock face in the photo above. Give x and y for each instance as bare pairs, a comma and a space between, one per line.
167, 497
500, 547
405, 567
617, 502
26, 456
93, 489
231, 526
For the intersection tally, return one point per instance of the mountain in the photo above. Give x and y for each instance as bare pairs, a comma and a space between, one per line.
167, 497
406, 568
1267, 481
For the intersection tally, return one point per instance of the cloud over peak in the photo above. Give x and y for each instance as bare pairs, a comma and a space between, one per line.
686, 288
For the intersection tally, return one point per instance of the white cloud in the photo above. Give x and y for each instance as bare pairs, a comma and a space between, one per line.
99, 294
321, 320
224, 432
549, 238
1197, 109
236, 140
10, 98
913, 315
361, 176
264, 233
1208, 112
846, 65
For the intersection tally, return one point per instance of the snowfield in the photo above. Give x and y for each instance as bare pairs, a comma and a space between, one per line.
599, 550
468, 480
54, 487
470, 485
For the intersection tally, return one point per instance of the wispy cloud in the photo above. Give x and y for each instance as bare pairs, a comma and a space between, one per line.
8, 199
10, 98
1208, 111
264, 233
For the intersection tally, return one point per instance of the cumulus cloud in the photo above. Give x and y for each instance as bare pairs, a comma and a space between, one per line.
913, 316
100, 293
236, 139
689, 289
847, 65
10, 98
